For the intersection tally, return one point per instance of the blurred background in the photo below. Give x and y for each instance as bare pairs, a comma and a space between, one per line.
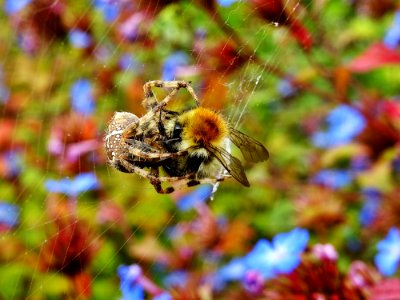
317, 82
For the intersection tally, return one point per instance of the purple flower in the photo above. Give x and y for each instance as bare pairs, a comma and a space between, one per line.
334, 179
109, 8
325, 252
73, 187
176, 279
388, 257
9, 214
129, 29
79, 39
13, 163
233, 271
392, 37
82, 97
129, 282
192, 199
253, 282
344, 123
286, 88
173, 63
226, 2
163, 296
128, 63
13, 6
4, 91
372, 201
281, 256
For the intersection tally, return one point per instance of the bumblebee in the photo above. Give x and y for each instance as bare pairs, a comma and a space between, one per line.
191, 147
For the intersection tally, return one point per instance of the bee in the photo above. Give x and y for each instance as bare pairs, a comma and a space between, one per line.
191, 147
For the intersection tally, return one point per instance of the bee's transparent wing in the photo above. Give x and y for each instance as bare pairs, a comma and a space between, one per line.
251, 149
230, 163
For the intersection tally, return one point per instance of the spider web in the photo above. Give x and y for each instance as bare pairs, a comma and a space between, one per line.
39, 84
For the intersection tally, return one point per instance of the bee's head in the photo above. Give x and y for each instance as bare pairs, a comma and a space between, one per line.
201, 126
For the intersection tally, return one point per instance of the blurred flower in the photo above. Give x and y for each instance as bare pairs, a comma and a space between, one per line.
253, 282
361, 275
375, 56
9, 215
74, 141
13, 6
176, 279
10, 164
332, 178
128, 63
71, 249
192, 199
233, 271
73, 187
4, 91
286, 88
280, 256
372, 201
226, 2
280, 12
344, 123
163, 296
172, 64
82, 97
392, 37
132, 29
109, 8
80, 39
324, 252
388, 257
360, 163
129, 282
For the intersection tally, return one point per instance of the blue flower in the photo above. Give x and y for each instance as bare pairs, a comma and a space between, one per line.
172, 63
82, 97
286, 88
109, 9
163, 296
344, 123
79, 39
13, 163
129, 277
372, 200
4, 91
73, 187
334, 179
176, 279
392, 37
13, 6
281, 256
388, 257
233, 271
226, 2
9, 214
128, 63
190, 200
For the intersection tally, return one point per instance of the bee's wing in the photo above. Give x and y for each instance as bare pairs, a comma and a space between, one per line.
251, 149
230, 163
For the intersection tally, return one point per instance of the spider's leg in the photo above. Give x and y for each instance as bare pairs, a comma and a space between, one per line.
156, 182
176, 85
142, 150
146, 174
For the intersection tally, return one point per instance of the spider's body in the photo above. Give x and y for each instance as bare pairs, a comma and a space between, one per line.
191, 147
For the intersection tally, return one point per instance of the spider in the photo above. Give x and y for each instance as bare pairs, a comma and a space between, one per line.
192, 147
